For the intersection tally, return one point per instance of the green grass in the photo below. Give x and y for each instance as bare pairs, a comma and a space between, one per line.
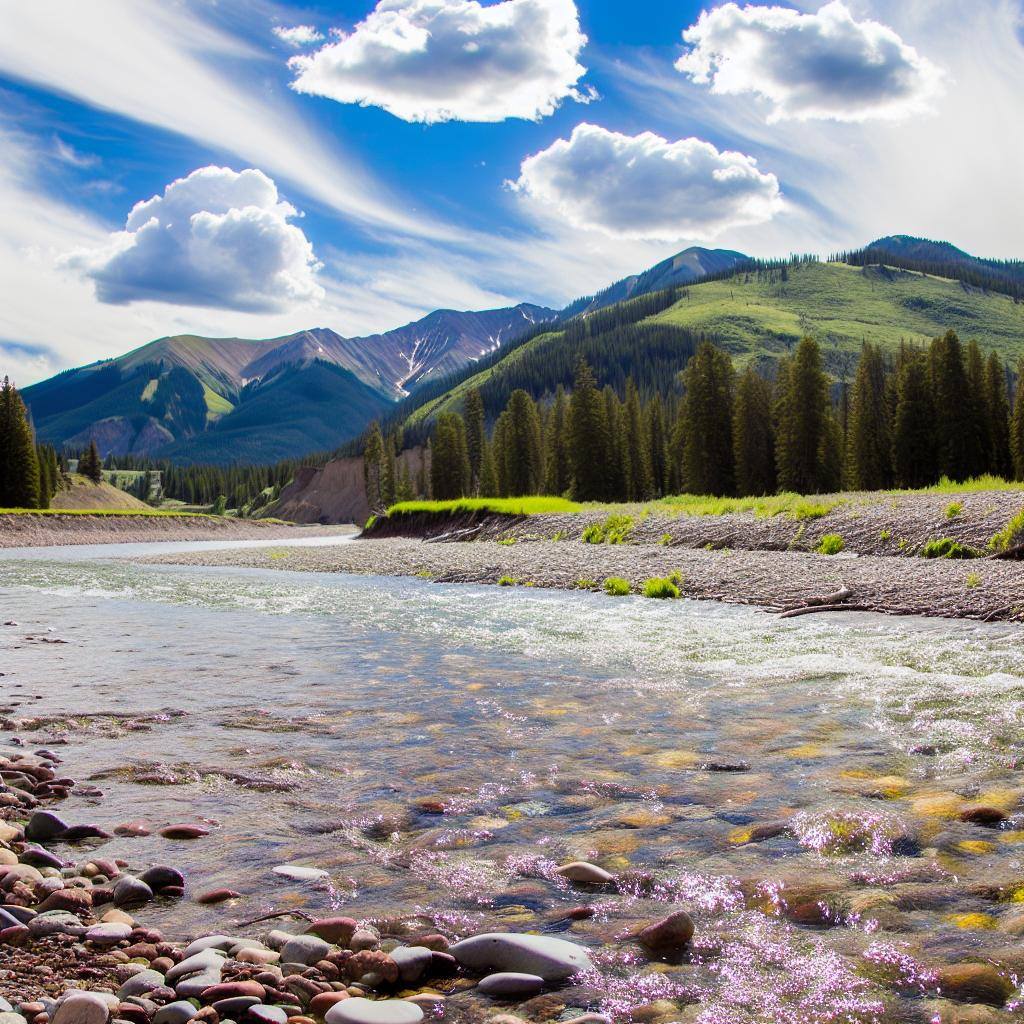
616, 586
946, 547
830, 544
528, 506
953, 509
792, 506
973, 579
975, 484
1009, 535
614, 530
661, 588
507, 581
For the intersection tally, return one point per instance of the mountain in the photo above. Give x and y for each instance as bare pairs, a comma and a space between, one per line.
684, 268
233, 399
756, 314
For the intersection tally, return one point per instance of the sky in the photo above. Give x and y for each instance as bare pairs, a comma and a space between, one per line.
248, 168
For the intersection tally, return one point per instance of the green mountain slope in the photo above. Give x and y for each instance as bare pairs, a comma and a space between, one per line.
757, 315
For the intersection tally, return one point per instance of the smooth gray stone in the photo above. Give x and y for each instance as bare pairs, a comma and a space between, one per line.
81, 1008
196, 984
304, 949
298, 873
141, 983
7, 921
54, 922
5, 1007
549, 958
204, 960
174, 1013
224, 942
511, 985
413, 962
108, 933
11, 1017
43, 826
374, 1011
268, 1014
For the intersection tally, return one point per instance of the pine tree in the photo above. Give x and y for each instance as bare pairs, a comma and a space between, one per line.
389, 474
557, 468
523, 453
657, 441
753, 436
638, 448
423, 471
588, 436
913, 440
997, 408
1017, 426
476, 436
449, 468
869, 437
802, 436
980, 418
616, 475
19, 464
93, 468
958, 450
489, 486
403, 489
373, 468
706, 423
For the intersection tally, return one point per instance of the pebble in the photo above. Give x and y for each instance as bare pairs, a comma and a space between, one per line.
413, 962
133, 829
205, 959
304, 949
184, 832
583, 872
268, 1014
81, 1008
668, 936
179, 1012
549, 958
217, 896
44, 826
161, 877
298, 873
108, 934
338, 930
511, 985
222, 942
130, 890
374, 1011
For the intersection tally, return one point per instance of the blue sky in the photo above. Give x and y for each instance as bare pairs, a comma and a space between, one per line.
357, 164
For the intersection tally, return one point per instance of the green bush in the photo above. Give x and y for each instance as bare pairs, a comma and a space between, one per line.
660, 587
616, 586
946, 547
614, 530
507, 541
1010, 535
584, 584
507, 581
830, 544
953, 509
974, 579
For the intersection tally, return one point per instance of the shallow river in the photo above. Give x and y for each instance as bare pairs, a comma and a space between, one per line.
439, 749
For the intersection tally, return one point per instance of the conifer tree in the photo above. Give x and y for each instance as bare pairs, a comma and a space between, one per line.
476, 436
46, 485
389, 474
638, 448
404, 490
93, 464
980, 418
373, 468
869, 436
522, 454
753, 436
423, 471
19, 464
913, 436
489, 486
1017, 426
958, 451
705, 423
997, 409
616, 480
588, 436
449, 468
802, 436
657, 440
557, 468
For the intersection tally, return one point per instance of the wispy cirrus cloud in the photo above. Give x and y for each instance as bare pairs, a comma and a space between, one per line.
453, 60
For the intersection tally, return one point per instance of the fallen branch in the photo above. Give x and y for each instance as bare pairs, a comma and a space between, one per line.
815, 609
274, 916
446, 537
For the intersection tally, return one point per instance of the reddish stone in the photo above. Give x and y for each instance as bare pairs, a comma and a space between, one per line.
438, 943
184, 832
320, 1004
336, 930
133, 829
218, 896
231, 989
670, 935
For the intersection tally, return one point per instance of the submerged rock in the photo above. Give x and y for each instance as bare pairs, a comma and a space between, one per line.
585, 873
669, 936
511, 985
549, 958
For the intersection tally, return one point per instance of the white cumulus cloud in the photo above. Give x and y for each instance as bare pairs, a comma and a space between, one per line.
645, 187
825, 65
217, 238
298, 35
453, 60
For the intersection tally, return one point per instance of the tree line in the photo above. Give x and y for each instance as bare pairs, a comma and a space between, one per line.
907, 420
30, 473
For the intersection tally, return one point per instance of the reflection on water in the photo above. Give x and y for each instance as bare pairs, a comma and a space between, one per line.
440, 749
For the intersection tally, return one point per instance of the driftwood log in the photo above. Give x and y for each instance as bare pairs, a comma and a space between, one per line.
834, 602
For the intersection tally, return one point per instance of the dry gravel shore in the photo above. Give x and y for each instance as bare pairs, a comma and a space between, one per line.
27, 530
977, 589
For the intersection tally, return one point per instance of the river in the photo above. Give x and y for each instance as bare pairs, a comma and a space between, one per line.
439, 749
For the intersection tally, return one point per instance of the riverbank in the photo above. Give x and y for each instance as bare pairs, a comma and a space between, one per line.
982, 589
53, 528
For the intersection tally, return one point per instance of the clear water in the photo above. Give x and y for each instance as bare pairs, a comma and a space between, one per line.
327, 720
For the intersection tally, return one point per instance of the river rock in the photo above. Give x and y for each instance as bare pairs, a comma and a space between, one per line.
549, 958
195, 985
374, 1011
205, 959
57, 922
133, 829
161, 877
44, 826
669, 936
321, 1003
130, 891
511, 985
233, 990
174, 1013
75, 901
413, 962
221, 942
76, 833
81, 1008
304, 949
108, 934
141, 983
338, 930
217, 896
235, 1006
38, 858
268, 1015
583, 872
298, 873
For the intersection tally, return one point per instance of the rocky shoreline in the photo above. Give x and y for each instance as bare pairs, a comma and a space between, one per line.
776, 580
53, 529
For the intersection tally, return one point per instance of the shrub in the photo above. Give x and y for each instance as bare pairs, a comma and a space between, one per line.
584, 584
830, 544
946, 547
507, 541
507, 581
1009, 535
660, 587
616, 586
614, 530
885, 535
953, 509
974, 579
666, 539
